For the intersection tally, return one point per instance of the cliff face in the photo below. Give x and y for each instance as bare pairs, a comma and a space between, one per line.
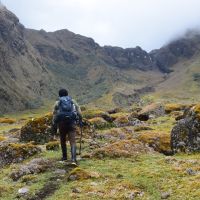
23, 76
183, 48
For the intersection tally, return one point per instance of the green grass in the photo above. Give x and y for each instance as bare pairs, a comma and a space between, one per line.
148, 173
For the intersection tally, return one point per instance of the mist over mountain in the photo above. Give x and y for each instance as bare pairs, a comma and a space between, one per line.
35, 64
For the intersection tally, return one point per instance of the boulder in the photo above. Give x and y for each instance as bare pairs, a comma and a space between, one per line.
81, 174
159, 141
35, 166
37, 130
174, 107
14, 153
123, 148
185, 136
99, 123
154, 109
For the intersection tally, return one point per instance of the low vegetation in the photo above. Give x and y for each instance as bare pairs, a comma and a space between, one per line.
122, 158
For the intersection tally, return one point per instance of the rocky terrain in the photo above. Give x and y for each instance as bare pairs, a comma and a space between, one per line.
136, 153
140, 115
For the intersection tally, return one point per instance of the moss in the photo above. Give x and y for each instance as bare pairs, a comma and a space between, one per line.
158, 140
123, 148
81, 174
119, 115
174, 107
14, 153
92, 113
38, 130
7, 120
2, 138
29, 178
121, 121
52, 146
100, 123
114, 134
5, 189
142, 128
197, 108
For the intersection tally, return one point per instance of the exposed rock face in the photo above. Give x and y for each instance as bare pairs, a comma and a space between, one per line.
23, 76
185, 136
126, 58
170, 54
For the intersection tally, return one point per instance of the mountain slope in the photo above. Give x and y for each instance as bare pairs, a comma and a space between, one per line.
23, 76
35, 64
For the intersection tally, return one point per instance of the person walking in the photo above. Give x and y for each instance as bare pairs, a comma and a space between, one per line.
66, 113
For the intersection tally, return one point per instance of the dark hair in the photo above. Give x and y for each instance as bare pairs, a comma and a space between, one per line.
63, 93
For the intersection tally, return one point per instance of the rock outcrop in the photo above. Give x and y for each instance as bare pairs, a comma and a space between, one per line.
14, 153
37, 130
24, 78
185, 136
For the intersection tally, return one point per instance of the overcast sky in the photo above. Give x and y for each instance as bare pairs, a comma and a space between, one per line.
126, 23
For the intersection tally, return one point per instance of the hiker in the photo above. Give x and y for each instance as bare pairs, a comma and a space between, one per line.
66, 114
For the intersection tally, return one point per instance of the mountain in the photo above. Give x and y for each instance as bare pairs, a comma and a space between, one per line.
35, 64
23, 75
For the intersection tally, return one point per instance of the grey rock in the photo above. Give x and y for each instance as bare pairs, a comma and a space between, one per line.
60, 171
72, 177
165, 195
35, 166
184, 135
191, 171
76, 190
23, 191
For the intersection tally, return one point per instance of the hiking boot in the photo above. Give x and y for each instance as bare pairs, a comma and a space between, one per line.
64, 152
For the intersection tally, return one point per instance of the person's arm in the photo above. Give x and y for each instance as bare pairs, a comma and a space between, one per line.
78, 109
55, 109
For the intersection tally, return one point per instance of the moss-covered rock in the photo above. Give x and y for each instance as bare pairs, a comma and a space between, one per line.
123, 148
142, 128
37, 130
116, 134
99, 123
81, 174
92, 113
35, 166
158, 140
14, 153
152, 110
174, 107
2, 138
53, 146
7, 120
185, 136
115, 116
127, 120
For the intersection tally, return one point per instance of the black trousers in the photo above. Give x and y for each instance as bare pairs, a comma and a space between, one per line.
67, 130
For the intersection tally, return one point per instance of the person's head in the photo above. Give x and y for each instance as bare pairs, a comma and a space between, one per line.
63, 93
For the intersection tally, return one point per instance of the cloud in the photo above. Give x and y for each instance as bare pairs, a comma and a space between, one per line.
125, 23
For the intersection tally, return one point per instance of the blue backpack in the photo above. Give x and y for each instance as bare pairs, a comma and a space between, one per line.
67, 109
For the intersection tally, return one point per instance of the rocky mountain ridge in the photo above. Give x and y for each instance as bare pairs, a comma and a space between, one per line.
35, 64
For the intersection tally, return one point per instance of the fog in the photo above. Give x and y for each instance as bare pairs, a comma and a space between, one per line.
126, 23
